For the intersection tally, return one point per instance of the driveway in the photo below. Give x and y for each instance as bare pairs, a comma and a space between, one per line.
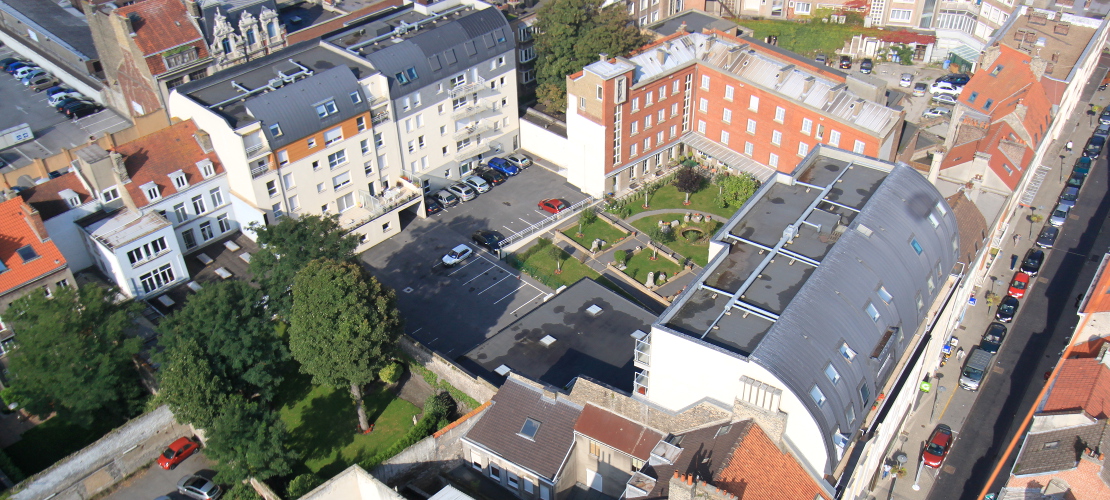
153, 482
454, 309
891, 73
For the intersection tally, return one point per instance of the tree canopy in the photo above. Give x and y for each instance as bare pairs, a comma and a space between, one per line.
570, 34
343, 326
247, 440
72, 355
736, 189
289, 245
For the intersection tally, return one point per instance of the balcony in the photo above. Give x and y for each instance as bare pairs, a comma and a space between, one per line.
471, 152
641, 383
371, 207
472, 130
379, 117
469, 110
642, 356
467, 88
258, 170
257, 150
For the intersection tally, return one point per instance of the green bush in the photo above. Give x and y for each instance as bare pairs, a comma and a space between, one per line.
620, 256
391, 373
437, 409
302, 484
242, 491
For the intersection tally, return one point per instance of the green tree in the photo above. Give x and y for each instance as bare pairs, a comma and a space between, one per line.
303, 484
661, 235
247, 440
73, 356
290, 244
570, 34
343, 326
189, 385
736, 189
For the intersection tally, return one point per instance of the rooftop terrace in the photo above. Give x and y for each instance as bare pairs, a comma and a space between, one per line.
1058, 38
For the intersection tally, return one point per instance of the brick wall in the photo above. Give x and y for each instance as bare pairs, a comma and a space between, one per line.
475, 387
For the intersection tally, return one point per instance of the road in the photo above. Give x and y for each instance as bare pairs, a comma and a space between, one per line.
1038, 335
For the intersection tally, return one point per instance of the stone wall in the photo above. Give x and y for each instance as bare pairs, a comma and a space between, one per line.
110, 459
475, 387
588, 391
442, 449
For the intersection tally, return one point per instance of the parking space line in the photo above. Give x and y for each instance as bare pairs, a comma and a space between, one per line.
483, 273
494, 284
507, 228
524, 221
527, 303
463, 267
512, 292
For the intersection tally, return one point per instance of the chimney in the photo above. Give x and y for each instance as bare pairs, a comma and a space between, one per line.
119, 173
682, 28
661, 56
602, 57
34, 221
709, 42
130, 21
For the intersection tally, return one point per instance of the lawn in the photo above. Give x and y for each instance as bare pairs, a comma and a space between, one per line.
808, 39
537, 263
697, 252
53, 440
641, 264
669, 198
323, 425
598, 229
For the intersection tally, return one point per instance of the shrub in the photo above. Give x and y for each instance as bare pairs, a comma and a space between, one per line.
437, 410
661, 235
620, 256
302, 484
391, 373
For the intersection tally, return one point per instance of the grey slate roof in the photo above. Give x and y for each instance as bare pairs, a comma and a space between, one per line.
514, 403
704, 452
806, 300
293, 106
1058, 450
469, 40
66, 26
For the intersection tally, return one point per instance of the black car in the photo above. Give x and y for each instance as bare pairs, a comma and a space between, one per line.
955, 78
490, 240
1006, 309
82, 110
845, 62
1032, 263
490, 175
4, 63
992, 339
71, 101
1076, 180
1048, 235
866, 66
1094, 147
432, 206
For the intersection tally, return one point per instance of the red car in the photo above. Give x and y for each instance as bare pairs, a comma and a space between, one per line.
937, 447
177, 452
1019, 285
553, 205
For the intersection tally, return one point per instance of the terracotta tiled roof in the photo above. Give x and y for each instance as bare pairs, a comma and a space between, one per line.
16, 220
153, 157
1006, 150
1081, 384
338, 23
161, 25
997, 90
46, 199
704, 451
757, 469
617, 432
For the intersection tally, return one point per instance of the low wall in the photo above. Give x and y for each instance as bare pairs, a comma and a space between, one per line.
440, 449
475, 387
538, 134
110, 459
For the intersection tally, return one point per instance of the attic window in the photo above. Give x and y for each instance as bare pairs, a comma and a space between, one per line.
355, 98
847, 352
275, 130
179, 180
941, 208
406, 76
971, 98
325, 109
724, 429
997, 70
529, 429
1051, 445
987, 105
207, 169
27, 253
73, 200
151, 191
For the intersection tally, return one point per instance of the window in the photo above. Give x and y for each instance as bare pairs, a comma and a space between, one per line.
633, 150
858, 147
933, 220
751, 126
364, 146
157, 279
378, 141
293, 204
356, 97
635, 104
647, 122
776, 137
271, 190
311, 142
190, 238
494, 472
931, 284
705, 82
834, 138
337, 158
180, 213
217, 197
674, 130
529, 429
325, 109
634, 128
333, 136
341, 180
144, 252
901, 15
832, 374
674, 109
802, 8
600, 92
987, 105
283, 157
773, 160
179, 180
151, 191
726, 116
251, 37
1051, 445
701, 126
225, 225
109, 194
729, 92
883, 294
807, 126
865, 394
513, 480
872, 312
817, 395
850, 414
275, 130
847, 352
406, 76
277, 210
226, 46
749, 148
198, 204
803, 149
595, 448
662, 93
780, 114
345, 202
916, 246
206, 231
724, 137
753, 103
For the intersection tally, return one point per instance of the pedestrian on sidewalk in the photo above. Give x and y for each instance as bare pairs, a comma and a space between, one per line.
960, 354
1017, 238
1068, 146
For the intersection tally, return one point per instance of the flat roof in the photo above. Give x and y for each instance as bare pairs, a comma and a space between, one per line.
66, 24
118, 227
1051, 35
694, 21
596, 346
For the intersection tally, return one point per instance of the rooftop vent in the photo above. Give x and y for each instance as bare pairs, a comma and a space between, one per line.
547, 340
593, 310
503, 370
866, 231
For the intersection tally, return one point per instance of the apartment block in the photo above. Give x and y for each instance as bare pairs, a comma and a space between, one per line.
737, 103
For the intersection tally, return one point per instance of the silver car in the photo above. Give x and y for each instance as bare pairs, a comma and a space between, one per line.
906, 81
198, 488
477, 183
520, 160
1060, 215
463, 191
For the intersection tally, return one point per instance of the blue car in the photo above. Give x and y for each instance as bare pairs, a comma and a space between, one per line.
502, 165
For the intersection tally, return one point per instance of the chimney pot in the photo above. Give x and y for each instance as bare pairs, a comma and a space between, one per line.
603, 57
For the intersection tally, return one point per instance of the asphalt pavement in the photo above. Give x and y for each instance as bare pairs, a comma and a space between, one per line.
153, 482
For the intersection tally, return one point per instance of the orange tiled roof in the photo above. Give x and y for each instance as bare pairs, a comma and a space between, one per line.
997, 89
1005, 148
1081, 384
16, 219
1099, 300
758, 469
153, 157
161, 25
617, 432
46, 199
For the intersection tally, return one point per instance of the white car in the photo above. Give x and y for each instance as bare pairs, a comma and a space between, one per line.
935, 112
906, 81
24, 71
944, 99
1060, 215
56, 98
946, 88
477, 183
456, 255
520, 160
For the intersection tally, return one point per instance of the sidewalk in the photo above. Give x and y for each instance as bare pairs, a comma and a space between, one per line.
947, 403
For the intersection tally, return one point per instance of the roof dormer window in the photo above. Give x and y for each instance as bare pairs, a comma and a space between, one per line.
179, 180
529, 429
152, 192
72, 199
27, 253
207, 169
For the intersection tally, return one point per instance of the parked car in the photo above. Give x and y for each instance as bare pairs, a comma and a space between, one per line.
936, 448
1104, 117
82, 110
5, 62
975, 368
920, 88
935, 112
1102, 130
866, 66
31, 75
959, 79
24, 70
1018, 285
490, 240
945, 88
1059, 216
198, 488
1069, 196
42, 83
906, 80
16, 66
53, 100
456, 255
177, 452
479, 184
446, 198
1006, 309
463, 191
519, 160
944, 99
1048, 235
57, 89
1082, 166
845, 62
491, 176
71, 101
993, 337
821, 59
1034, 259
1094, 147
552, 205
432, 206
503, 166
1076, 180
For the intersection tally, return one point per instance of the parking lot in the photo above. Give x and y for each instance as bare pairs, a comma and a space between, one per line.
891, 73
52, 130
453, 309
153, 482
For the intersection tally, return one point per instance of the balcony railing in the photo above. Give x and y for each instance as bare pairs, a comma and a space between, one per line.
471, 109
472, 131
258, 170
376, 206
473, 151
641, 383
643, 352
257, 150
467, 88
379, 117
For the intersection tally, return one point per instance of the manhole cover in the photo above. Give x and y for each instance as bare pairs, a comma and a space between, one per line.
1073, 217
948, 469
1042, 280
407, 289
998, 369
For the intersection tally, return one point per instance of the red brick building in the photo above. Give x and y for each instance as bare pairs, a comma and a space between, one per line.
735, 102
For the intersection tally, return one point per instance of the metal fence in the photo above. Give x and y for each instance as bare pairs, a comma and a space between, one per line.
543, 224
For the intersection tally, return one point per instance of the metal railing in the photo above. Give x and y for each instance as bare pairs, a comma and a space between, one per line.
467, 88
472, 130
471, 109
543, 224
257, 171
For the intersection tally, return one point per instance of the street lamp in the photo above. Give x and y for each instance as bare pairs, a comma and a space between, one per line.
1062, 167
916, 478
